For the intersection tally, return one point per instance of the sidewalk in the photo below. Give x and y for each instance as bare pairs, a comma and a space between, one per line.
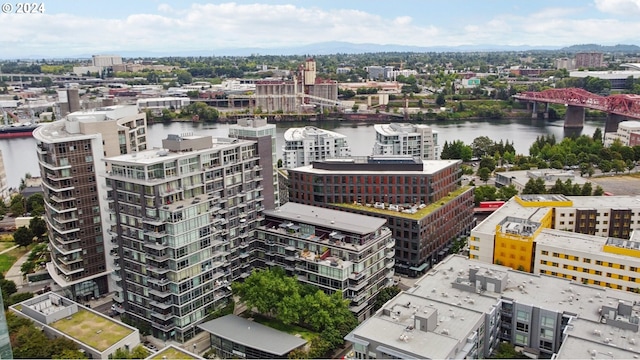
14, 272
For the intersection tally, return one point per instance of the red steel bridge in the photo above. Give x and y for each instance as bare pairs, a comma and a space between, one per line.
617, 106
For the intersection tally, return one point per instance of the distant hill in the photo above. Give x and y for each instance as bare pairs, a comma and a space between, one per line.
620, 48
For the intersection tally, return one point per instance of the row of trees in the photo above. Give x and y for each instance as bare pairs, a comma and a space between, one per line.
29, 342
271, 293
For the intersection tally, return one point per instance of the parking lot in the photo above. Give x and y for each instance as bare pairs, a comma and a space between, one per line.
619, 185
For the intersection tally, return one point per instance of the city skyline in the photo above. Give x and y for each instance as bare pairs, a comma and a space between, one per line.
170, 27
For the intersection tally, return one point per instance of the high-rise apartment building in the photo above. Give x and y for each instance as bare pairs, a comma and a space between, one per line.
330, 249
421, 200
308, 144
184, 218
589, 60
70, 155
406, 139
259, 130
5, 341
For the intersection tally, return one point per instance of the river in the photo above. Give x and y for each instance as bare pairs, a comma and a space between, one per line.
19, 154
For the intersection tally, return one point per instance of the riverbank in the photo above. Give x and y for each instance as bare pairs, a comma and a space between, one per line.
361, 118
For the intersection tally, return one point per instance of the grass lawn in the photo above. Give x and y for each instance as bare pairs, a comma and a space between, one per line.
7, 259
289, 329
172, 353
98, 332
6, 244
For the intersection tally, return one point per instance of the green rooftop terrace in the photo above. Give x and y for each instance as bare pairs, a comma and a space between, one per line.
96, 331
421, 213
171, 352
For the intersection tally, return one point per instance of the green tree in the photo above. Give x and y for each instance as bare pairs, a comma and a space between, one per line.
23, 236
184, 77
17, 205
484, 174
534, 186
35, 204
38, 227
8, 288
507, 192
385, 295
599, 191
440, 100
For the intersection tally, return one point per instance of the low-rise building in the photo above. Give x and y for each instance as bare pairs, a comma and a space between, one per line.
234, 337
333, 250
463, 308
97, 335
520, 178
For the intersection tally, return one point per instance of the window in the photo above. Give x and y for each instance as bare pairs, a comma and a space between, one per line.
545, 252
546, 334
522, 326
588, 261
548, 321
522, 315
522, 339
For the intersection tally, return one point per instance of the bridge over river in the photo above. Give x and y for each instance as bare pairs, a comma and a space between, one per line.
618, 107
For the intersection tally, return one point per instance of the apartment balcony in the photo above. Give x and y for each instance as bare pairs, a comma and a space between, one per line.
155, 234
356, 275
390, 264
153, 221
118, 297
161, 292
390, 254
157, 270
60, 198
158, 246
115, 275
162, 316
159, 281
357, 286
69, 260
159, 258
65, 249
161, 305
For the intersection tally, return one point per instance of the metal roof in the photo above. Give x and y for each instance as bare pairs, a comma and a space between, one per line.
251, 334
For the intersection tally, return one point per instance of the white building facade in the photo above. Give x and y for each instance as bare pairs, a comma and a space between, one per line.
308, 144
406, 139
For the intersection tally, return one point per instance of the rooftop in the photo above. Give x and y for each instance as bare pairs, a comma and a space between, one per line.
157, 155
410, 212
174, 353
535, 213
543, 291
347, 167
252, 334
99, 332
297, 134
335, 219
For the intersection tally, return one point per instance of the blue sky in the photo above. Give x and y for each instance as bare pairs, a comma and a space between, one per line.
71, 28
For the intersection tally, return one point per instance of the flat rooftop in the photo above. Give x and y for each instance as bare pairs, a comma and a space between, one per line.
416, 212
513, 209
252, 334
159, 155
99, 332
334, 219
428, 167
454, 323
543, 291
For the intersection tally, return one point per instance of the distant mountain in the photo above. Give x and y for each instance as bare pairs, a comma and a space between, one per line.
339, 47
600, 48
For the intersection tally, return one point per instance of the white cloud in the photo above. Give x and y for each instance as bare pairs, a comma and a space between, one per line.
619, 7
202, 27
